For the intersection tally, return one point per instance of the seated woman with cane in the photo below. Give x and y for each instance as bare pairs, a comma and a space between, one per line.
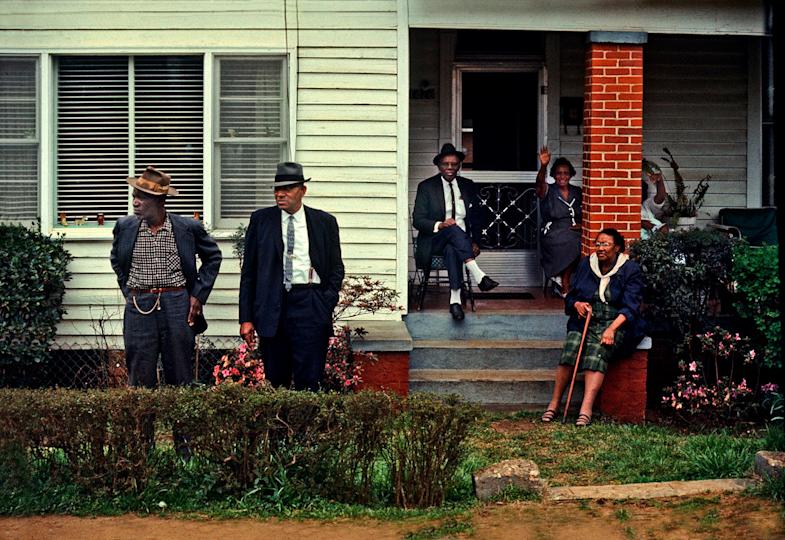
604, 302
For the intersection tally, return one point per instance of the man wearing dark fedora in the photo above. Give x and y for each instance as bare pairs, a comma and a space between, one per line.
448, 219
291, 276
154, 256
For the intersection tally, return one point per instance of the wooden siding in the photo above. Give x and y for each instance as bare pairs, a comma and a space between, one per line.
695, 104
345, 110
682, 17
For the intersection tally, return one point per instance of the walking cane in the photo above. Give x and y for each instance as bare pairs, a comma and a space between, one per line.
577, 362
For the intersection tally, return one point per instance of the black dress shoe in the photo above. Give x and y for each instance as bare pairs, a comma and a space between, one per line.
486, 284
457, 312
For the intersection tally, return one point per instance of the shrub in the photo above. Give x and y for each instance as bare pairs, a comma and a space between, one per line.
240, 366
713, 383
32, 285
426, 448
757, 282
276, 446
685, 272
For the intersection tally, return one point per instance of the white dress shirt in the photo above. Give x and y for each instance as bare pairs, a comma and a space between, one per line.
302, 272
460, 206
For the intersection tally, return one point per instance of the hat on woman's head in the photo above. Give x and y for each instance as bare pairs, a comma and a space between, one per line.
153, 181
289, 173
448, 150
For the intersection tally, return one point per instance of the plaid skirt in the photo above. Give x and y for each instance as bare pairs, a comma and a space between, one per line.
595, 355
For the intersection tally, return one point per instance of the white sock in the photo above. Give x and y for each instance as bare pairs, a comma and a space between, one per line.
455, 296
475, 271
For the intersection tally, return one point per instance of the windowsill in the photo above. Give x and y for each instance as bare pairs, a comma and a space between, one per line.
92, 231
84, 232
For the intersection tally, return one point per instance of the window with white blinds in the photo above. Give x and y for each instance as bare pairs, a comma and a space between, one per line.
251, 132
18, 139
115, 116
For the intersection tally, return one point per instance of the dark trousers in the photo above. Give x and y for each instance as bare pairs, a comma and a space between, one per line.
163, 332
298, 350
456, 246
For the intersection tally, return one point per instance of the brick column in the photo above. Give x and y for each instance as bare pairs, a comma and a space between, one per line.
613, 134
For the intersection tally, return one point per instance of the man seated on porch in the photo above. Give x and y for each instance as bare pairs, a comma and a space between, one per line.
447, 216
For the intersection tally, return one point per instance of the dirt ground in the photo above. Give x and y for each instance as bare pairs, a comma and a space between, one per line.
732, 516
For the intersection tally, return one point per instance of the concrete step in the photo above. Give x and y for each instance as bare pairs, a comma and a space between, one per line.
536, 325
493, 387
481, 354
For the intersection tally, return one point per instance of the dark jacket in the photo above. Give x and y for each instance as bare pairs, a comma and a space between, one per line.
626, 287
261, 278
429, 208
191, 240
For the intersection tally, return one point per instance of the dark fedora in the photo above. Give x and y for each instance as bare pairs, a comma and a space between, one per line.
448, 150
289, 173
153, 181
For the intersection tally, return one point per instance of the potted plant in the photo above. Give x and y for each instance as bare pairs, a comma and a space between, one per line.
683, 208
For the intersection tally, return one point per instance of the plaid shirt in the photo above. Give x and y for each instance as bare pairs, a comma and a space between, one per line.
155, 262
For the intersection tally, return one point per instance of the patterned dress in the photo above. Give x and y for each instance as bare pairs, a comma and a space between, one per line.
560, 246
595, 355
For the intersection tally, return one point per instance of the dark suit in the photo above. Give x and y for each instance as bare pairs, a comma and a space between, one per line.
452, 242
294, 326
143, 334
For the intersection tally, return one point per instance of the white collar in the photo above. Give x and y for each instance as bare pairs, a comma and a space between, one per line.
445, 181
298, 216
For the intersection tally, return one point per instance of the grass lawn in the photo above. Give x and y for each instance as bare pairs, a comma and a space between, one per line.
610, 453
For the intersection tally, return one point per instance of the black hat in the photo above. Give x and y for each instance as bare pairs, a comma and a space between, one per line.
289, 173
448, 150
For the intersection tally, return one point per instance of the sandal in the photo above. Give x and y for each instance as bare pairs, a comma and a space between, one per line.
583, 420
549, 415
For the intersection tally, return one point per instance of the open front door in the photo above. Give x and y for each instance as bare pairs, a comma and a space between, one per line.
499, 117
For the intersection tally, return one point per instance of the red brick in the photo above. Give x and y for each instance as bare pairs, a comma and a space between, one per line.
618, 55
390, 372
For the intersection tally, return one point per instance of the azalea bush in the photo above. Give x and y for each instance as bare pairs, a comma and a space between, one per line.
241, 366
343, 370
714, 382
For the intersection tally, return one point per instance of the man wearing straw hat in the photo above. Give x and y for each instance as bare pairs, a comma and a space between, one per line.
154, 256
289, 285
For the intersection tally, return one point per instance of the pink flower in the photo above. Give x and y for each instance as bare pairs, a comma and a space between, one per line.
693, 366
769, 387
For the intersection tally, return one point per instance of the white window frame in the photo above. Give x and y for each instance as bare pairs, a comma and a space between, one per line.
47, 135
459, 68
38, 135
287, 128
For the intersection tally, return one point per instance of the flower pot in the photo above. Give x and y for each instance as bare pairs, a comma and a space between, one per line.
685, 223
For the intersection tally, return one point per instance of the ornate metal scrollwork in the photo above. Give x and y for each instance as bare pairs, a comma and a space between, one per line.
512, 216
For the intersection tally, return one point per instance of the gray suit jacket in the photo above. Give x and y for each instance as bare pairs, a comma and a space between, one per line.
191, 240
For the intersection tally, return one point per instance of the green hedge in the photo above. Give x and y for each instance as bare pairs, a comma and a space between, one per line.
757, 282
274, 445
33, 273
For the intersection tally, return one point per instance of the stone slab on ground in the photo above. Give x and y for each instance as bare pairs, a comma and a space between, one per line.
521, 474
649, 490
769, 464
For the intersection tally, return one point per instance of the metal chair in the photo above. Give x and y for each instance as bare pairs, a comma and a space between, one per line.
423, 275
757, 225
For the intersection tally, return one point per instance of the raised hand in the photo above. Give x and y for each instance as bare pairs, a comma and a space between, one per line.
545, 156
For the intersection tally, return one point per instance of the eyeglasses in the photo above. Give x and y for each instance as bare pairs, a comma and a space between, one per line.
602, 244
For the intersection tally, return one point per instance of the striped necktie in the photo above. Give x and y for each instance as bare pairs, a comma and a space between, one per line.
287, 268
